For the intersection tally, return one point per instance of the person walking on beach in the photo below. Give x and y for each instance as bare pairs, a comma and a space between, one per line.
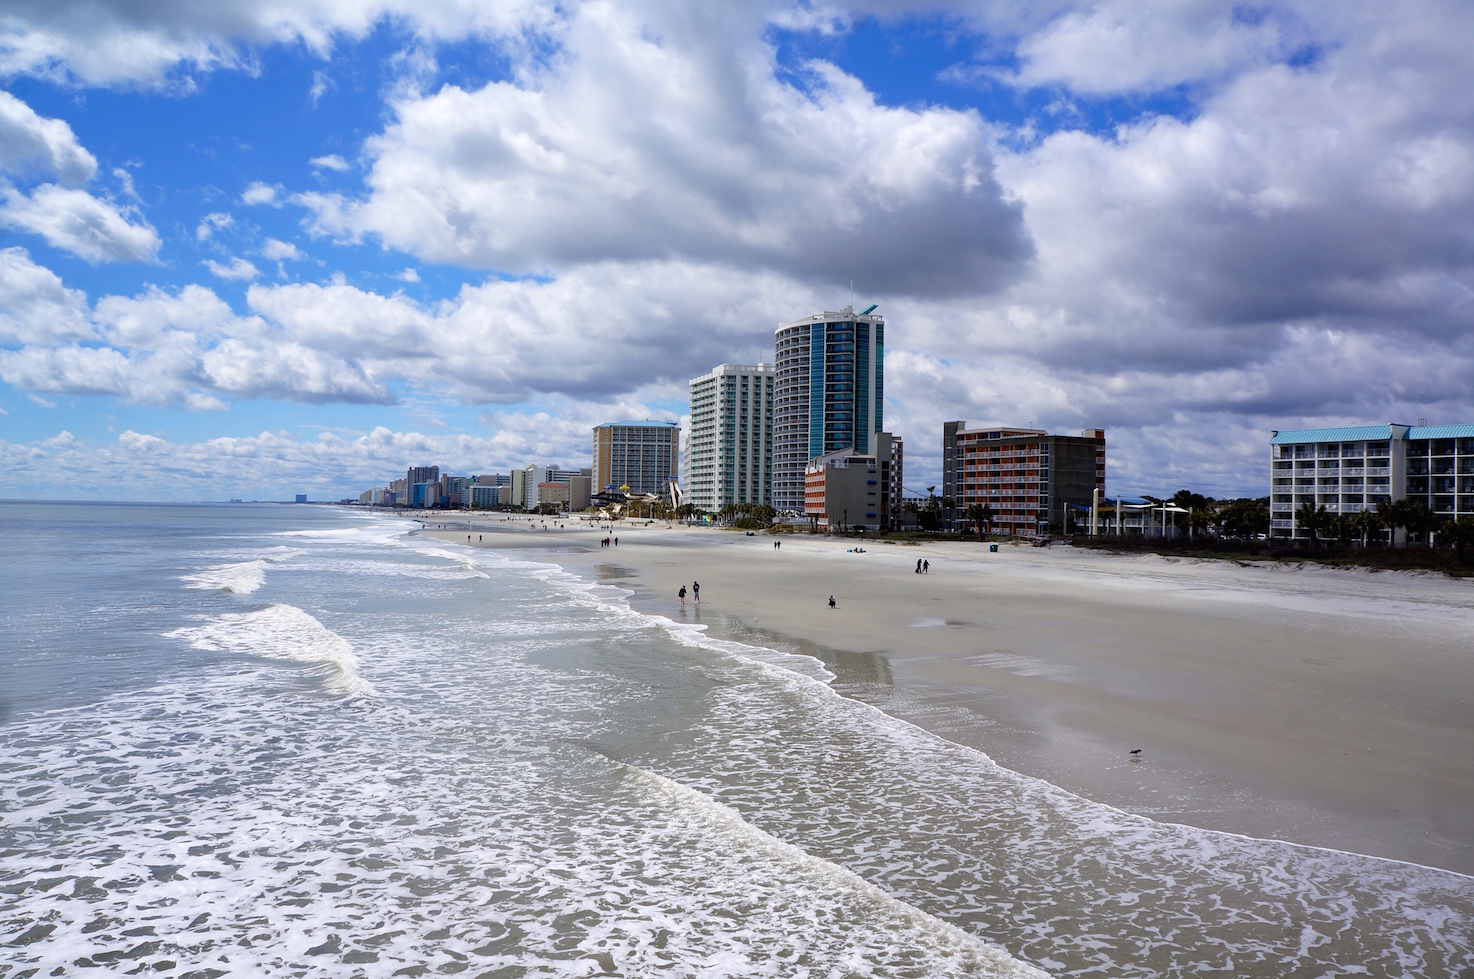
682, 593
696, 591
831, 602
926, 567
918, 565
616, 542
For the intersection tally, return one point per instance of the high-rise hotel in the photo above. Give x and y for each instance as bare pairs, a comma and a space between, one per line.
829, 394
729, 450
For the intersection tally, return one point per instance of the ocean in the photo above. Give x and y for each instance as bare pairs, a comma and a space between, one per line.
288, 740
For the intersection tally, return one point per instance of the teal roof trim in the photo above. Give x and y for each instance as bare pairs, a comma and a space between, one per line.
1353, 433
1441, 432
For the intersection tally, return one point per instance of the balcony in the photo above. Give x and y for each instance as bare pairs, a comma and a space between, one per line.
1282, 524
1379, 471
1353, 472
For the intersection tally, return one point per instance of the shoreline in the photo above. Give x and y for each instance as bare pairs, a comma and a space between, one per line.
1314, 706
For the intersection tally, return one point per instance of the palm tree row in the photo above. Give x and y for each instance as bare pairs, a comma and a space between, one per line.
1413, 517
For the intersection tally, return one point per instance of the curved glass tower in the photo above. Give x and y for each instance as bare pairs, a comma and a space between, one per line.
830, 393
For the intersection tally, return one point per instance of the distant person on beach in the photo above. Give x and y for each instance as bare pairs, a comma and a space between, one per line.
682, 593
616, 542
696, 591
926, 567
831, 602
918, 565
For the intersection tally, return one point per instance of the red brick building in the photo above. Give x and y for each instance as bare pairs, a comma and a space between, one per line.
1026, 475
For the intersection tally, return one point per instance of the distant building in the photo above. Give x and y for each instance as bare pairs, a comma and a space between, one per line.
486, 497
847, 490
552, 494
729, 449
1350, 469
643, 455
522, 485
301, 497
1026, 475
829, 394
580, 491
455, 491
422, 474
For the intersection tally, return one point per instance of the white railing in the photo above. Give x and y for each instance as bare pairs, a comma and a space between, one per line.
1282, 524
1383, 471
1353, 472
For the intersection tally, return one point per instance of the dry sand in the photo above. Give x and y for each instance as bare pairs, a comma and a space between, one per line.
1314, 705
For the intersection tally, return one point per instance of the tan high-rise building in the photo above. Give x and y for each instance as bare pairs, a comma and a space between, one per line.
643, 455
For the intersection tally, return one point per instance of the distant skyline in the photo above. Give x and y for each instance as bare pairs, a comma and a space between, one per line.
252, 249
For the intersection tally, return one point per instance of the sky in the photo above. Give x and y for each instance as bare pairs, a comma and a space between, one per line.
254, 248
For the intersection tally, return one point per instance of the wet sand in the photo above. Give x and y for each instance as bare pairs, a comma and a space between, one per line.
1327, 707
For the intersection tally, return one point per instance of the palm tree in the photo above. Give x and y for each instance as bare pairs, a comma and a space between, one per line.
1421, 520
1459, 533
1364, 524
1311, 518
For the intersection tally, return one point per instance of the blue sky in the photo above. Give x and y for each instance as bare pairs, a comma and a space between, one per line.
254, 250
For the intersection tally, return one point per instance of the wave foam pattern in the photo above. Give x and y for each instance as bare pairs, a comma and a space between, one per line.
352, 838
282, 632
1074, 886
455, 822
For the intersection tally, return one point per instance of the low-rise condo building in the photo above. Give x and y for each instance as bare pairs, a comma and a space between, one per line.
1350, 469
849, 490
729, 449
1028, 477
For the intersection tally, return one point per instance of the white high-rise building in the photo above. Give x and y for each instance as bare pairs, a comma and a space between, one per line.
830, 394
729, 451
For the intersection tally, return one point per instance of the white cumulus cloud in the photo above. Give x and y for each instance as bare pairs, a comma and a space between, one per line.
238, 268
93, 229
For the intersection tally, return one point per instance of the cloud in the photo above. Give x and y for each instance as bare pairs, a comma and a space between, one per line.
260, 193
330, 162
1270, 229
238, 268
281, 251
408, 275
35, 307
74, 220
116, 42
211, 223
29, 142
725, 162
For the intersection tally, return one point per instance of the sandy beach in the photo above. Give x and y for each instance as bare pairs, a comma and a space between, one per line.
1320, 706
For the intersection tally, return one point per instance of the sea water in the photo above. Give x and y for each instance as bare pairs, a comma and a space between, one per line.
297, 741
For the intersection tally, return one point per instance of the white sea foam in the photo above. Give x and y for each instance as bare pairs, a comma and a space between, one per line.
282, 632
243, 577
732, 818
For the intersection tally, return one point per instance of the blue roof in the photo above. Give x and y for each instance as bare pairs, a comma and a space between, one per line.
1360, 433
1441, 432
1353, 433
